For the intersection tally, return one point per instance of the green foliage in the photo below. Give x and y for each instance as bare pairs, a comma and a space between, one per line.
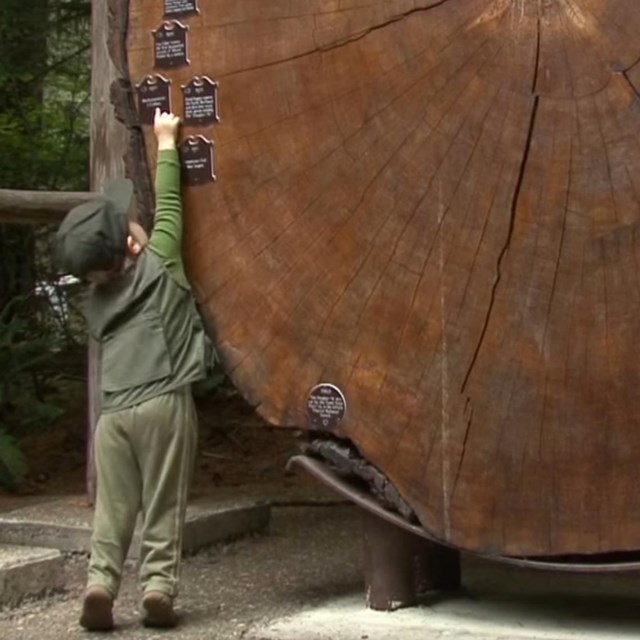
44, 138
44, 94
23, 355
12, 462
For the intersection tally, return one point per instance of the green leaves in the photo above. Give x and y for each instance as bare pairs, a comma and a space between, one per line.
44, 94
12, 463
25, 348
44, 138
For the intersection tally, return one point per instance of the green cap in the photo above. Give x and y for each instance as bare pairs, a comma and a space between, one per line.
93, 235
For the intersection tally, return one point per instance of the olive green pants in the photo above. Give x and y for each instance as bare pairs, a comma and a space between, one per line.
144, 459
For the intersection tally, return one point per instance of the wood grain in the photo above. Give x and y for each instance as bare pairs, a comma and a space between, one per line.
434, 206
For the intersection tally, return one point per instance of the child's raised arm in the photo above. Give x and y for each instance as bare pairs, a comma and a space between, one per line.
166, 237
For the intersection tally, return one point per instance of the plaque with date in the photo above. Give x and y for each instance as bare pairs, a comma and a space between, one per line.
196, 159
171, 47
154, 92
173, 8
326, 406
200, 101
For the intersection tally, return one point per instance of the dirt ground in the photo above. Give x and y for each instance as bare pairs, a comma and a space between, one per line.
310, 555
310, 552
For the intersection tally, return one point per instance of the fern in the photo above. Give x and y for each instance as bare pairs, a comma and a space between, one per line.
12, 462
24, 348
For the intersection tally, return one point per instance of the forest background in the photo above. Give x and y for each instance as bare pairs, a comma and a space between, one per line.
44, 145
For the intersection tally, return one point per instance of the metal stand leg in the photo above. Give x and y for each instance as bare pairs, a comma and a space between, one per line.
437, 568
399, 564
388, 564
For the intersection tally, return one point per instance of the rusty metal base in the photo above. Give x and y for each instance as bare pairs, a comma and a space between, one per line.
398, 565
402, 559
400, 562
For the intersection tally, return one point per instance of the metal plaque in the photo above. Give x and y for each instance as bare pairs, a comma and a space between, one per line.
200, 101
154, 92
196, 158
326, 406
174, 8
171, 45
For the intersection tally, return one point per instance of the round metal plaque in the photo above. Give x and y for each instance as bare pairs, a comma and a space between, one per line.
326, 406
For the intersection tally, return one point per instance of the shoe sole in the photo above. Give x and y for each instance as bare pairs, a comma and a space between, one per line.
97, 612
159, 614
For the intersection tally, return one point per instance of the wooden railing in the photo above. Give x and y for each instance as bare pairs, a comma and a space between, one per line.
39, 207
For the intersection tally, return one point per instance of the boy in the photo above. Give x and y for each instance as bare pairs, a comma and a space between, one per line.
139, 307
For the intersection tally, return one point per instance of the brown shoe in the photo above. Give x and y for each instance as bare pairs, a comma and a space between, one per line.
97, 610
158, 610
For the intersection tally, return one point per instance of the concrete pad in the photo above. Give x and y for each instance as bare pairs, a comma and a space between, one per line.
347, 620
498, 603
28, 573
208, 522
65, 524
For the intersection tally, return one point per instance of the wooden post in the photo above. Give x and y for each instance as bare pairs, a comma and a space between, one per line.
108, 146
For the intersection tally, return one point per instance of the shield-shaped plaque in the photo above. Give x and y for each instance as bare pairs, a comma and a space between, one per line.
154, 92
171, 47
196, 157
200, 101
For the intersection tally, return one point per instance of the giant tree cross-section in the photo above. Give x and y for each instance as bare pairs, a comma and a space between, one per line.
434, 206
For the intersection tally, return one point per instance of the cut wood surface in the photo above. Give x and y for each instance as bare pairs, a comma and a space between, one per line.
433, 206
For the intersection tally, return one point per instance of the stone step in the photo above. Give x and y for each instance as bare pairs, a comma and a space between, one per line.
65, 524
28, 572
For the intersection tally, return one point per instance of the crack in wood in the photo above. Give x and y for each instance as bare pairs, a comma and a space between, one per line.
340, 43
468, 409
625, 75
505, 248
514, 208
536, 67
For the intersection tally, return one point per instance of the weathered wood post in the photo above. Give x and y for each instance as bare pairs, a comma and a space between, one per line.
109, 141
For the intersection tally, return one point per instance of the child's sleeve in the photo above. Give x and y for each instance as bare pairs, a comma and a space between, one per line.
166, 237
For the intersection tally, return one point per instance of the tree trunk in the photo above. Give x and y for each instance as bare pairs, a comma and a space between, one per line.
434, 206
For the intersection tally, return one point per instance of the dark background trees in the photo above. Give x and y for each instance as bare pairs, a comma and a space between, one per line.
44, 144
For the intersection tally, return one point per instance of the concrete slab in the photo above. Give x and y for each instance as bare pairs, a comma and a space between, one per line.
65, 524
498, 603
28, 573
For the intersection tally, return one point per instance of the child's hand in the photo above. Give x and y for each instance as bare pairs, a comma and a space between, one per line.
165, 126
